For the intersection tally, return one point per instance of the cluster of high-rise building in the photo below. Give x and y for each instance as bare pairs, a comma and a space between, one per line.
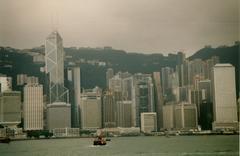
195, 94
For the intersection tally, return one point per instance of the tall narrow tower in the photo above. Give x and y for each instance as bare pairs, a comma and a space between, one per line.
54, 59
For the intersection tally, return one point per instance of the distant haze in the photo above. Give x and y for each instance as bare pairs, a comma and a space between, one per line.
147, 26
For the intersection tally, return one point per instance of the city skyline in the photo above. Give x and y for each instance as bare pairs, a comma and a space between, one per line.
77, 74
167, 27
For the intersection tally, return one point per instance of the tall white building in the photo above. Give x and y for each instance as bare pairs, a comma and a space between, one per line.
33, 107
90, 110
148, 122
224, 97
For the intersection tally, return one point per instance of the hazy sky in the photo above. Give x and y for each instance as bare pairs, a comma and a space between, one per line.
147, 26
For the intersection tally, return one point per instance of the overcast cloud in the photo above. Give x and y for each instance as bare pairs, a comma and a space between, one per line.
147, 26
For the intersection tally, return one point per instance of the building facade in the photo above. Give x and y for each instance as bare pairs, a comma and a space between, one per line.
33, 107
91, 110
10, 108
148, 122
224, 97
54, 60
58, 115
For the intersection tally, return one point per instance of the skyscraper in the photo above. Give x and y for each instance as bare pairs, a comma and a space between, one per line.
124, 113
74, 85
33, 107
109, 110
158, 99
90, 109
54, 60
224, 97
180, 67
109, 75
166, 80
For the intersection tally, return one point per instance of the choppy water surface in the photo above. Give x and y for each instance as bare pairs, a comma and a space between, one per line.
127, 146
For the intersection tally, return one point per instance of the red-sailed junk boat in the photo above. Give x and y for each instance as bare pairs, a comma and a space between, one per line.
99, 141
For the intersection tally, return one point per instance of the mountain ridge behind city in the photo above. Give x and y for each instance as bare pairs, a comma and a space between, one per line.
95, 61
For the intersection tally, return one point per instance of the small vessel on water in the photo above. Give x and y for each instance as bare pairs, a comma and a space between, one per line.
5, 140
99, 141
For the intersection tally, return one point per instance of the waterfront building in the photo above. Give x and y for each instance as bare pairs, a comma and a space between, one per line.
124, 113
144, 93
158, 99
33, 107
91, 109
206, 115
74, 85
224, 97
148, 122
58, 115
186, 116
109, 110
123, 87
10, 108
168, 116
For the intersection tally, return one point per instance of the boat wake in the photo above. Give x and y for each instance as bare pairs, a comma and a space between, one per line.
96, 146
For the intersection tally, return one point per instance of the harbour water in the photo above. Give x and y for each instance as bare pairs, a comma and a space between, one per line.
127, 146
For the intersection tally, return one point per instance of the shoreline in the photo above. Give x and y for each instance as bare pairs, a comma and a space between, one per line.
54, 138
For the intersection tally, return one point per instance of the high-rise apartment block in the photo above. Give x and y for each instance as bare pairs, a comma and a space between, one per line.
33, 107
109, 110
158, 99
124, 113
